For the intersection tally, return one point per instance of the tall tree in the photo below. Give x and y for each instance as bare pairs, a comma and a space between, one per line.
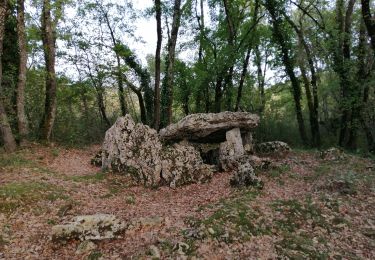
369, 21
169, 75
49, 41
343, 64
21, 116
312, 99
157, 65
5, 129
279, 34
115, 43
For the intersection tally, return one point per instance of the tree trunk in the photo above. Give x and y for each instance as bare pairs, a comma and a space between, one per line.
120, 84
5, 129
228, 84
100, 100
369, 21
242, 79
289, 66
140, 100
310, 102
344, 71
218, 94
21, 116
313, 100
171, 59
261, 78
48, 37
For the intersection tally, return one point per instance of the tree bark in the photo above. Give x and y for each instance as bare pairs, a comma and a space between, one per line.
312, 100
21, 116
369, 21
247, 58
48, 38
5, 129
289, 65
140, 100
261, 78
228, 82
242, 79
120, 84
218, 94
102, 110
171, 59
344, 71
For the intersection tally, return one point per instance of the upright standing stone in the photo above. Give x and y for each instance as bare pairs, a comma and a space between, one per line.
231, 149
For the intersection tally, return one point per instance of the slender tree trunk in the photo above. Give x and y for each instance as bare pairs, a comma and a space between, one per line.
171, 60
5, 129
247, 59
228, 82
218, 94
120, 84
313, 100
289, 66
21, 116
157, 65
140, 100
346, 83
261, 78
100, 101
121, 92
242, 79
369, 21
310, 102
359, 97
48, 37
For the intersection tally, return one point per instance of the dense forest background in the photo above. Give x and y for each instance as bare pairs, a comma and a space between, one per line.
69, 68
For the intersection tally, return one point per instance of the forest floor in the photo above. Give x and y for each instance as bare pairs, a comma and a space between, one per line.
308, 208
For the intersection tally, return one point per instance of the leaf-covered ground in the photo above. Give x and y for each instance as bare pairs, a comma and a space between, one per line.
308, 208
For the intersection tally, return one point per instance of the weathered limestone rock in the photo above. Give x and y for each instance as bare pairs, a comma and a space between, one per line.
245, 176
256, 162
332, 154
275, 147
182, 164
90, 227
135, 149
209, 126
86, 247
97, 159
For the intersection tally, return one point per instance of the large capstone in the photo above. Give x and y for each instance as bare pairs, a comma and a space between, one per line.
209, 127
136, 149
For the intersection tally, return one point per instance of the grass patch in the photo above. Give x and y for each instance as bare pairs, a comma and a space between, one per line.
94, 255
15, 195
293, 218
279, 171
233, 220
14, 160
301, 246
97, 177
297, 213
